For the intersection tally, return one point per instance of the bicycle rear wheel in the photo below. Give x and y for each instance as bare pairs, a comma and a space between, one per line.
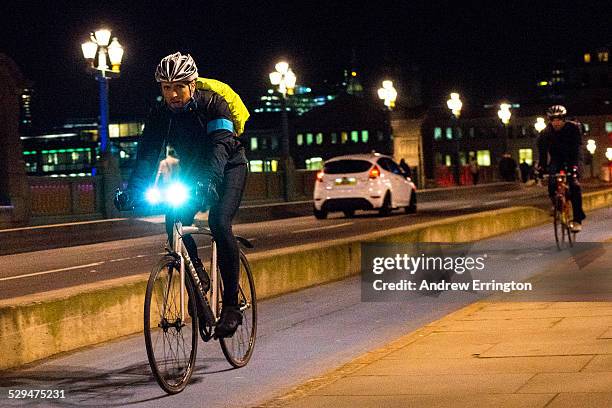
558, 224
571, 236
171, 343
239, 348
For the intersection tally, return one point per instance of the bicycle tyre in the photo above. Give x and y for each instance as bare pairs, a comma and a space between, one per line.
558, 225
171, 364
571, 236
238, 349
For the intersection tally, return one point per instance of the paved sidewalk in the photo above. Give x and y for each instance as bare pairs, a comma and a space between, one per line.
515, 351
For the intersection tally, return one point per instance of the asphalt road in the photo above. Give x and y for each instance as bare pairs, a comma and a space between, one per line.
300, 335
39, 271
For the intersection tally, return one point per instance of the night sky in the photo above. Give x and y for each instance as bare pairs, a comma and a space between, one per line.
485, 51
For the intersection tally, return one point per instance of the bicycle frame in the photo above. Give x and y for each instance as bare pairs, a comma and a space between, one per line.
178, 247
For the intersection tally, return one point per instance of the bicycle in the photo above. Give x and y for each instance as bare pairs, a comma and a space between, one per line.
169, 321
562, 213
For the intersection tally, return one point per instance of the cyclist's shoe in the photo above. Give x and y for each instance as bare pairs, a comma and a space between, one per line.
231, 318
576, 226
204, 278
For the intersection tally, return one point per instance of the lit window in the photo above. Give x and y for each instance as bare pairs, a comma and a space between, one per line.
354, 136
134, 128
253, 143
526, 155
602, 56
483, 157
344, 137
309, 139
334, 138
123, 129
319, 138
299, 139
365, 136
437, 133
587, 58
256, 166
113, 130
449, 133
448, 160
608, 127
314, 163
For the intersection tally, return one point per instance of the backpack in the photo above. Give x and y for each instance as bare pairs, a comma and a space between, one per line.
240, 113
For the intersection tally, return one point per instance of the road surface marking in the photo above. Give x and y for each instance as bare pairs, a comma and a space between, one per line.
119, 259
70, 268
61, 225
321, 228
497, 201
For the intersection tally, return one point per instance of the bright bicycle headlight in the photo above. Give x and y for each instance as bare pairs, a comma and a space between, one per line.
153, 196
177, 194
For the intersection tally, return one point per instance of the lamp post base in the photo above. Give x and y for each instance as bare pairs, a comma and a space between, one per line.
288, 179
110, 179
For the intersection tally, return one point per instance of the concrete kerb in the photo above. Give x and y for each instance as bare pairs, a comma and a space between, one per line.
41, 325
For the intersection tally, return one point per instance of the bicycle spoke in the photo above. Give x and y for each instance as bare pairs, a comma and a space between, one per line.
239, 348
171, 343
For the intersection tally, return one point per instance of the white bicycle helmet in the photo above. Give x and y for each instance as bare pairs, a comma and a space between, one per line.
176, 67
556, 111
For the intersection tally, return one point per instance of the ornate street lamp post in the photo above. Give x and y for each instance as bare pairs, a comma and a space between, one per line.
455, 105
591, 147
504, 115
388, 94
285, 79
100, 45
540, 124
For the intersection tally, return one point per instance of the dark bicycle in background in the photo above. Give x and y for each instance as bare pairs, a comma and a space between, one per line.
562, 211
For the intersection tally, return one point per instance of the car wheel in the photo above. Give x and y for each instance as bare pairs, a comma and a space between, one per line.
385, 210
349, 213
412, 207
319, 214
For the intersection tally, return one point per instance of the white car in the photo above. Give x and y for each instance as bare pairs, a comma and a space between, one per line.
362, 182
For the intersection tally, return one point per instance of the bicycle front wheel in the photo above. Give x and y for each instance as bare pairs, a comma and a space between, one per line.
171, 342
239, 348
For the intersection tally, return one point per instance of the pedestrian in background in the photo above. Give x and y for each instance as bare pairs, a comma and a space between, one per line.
474, 170
405, 168
507, 168
525, 171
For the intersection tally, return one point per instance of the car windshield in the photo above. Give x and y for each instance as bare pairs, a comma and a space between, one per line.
347, 166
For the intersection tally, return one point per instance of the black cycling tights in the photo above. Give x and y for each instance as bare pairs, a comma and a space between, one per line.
220, 223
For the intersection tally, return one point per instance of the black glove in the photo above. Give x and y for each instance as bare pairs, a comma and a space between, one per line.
206, 194
124, 200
